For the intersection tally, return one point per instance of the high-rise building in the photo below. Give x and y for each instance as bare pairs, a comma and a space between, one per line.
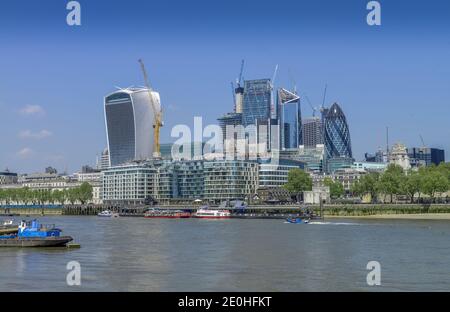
257, 102
290, 119
336, 133
129, 122
425, 156
103, 161
230, 119
239, 94
312, 132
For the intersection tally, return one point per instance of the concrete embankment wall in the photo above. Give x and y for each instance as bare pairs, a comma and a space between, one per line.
31, 211
328, 210
382, 209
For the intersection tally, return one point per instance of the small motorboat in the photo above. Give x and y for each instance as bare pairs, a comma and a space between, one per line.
297, 220
108, 214
34, 234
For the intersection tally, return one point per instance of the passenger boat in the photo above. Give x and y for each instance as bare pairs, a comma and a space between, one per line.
297, 220
108, 214
34, 234
167, 214
206, 213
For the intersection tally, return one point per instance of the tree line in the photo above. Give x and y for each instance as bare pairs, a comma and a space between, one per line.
394, 181
81, 194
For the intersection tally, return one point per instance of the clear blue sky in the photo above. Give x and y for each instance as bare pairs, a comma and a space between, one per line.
53, 77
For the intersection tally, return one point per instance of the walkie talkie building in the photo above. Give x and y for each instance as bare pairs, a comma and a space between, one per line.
336, 133
129, 120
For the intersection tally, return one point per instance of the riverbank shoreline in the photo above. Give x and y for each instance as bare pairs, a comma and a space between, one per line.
411, 216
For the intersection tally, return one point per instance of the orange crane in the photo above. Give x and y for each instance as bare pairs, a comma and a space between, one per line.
157, 114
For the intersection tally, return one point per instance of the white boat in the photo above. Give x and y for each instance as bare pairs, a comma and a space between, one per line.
8, 222
207, 213
108, 214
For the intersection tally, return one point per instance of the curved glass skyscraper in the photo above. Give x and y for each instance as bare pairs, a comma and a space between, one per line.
129, 123
336, 133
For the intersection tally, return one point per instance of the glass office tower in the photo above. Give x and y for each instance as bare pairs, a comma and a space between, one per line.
257, 102
290, 119
129, 123
336, 133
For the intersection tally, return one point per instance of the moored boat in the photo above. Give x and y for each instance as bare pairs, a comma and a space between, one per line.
166, 214
108, 214
206, 213
8, 227
34, 234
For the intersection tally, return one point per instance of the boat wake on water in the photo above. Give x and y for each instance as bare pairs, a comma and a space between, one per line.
332, 223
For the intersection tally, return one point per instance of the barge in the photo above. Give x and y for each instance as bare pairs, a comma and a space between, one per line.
34, 234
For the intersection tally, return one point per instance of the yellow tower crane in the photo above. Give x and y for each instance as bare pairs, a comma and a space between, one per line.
157, 114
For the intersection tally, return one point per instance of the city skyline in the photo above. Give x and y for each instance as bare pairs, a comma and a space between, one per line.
383, 77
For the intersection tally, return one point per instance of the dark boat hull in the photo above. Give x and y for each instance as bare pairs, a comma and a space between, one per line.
10, 230
36, 242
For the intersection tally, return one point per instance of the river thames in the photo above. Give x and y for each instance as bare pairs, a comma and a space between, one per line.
137, 254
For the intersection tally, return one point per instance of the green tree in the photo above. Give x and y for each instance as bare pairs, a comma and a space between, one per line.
336, 188
84, 192
367, 184
434, 181
298, 182
390, 181
411, 184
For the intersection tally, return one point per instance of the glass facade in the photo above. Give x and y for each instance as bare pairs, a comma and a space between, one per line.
426, 156
290, 119
228, 180
119, 116
276, 175
336, 134
257, 102
312, 132
129, 121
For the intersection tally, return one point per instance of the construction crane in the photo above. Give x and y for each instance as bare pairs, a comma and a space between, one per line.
234, 94
324, 95
423, 142
294, 83
157, 114
239, 80
314, 109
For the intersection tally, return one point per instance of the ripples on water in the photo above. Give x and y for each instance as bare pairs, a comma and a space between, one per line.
137, 254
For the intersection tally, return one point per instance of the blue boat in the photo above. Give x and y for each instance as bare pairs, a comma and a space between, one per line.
34, 234
297, 220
